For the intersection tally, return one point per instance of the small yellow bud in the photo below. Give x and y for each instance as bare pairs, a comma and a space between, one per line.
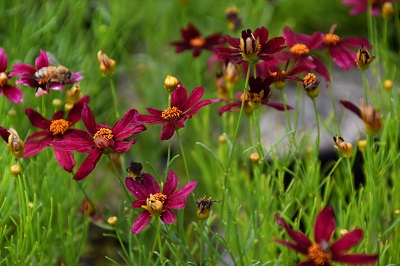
15, 170
68, 106
255, 157
56, 102
343, 232
74, 94
397, 212
388, 85
30, 205
203, 207
107, 65
362, 144
344, 147
170, 83
222, 139
12, 112
387, 10
112, 220
363, 58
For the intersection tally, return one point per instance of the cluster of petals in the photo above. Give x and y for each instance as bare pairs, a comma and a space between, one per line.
14, 94
171, 199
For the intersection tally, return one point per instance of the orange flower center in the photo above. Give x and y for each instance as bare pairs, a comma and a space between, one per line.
59, 126
197, 42
3, 79
309, 79
319, 255
155, 203
171, 114
299, 49
102, 137
331, 39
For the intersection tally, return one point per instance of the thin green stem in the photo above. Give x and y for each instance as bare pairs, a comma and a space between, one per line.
317, 121
90, 201
364, 81
201, 242
160, 245
114, 95
119, 177
351, 178
256, 124
183, 154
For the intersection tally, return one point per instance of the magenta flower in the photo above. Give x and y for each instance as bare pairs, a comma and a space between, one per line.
47, 76
154, 202
192, 40
300, 47
12, 93
55, 129
339, 48
360, 6
322, 253
101, 139
181, 109
251, 47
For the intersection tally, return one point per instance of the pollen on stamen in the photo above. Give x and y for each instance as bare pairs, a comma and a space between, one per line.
318, 256
299, 49
161, 197
104, 133
197, 42
3, 79
59, 126
171, 114
331, 39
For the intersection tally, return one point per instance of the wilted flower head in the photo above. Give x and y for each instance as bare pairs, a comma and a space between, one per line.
344, 147
370, 116
192, 40
204, 206
15, 144
323, 253
12, 93
363, 58
157, 203
251, 47
107, 65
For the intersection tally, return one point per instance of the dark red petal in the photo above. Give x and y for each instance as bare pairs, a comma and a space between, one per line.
82, 145
292, 246
65, 159
21, 68
342, 57
193, 98
197, 108
348, 241
34, 147
88, 164
351, 106
138, 203
320, 68
150, 119
235, 106
88, 120
168, 130
316, 40
308, 263
262, 33
37, 119
42, 60
74, 114
170, 184
177, 200
234, 42
39, 135
178, 97
14, 94
357, 258
58, 115
302, 241
289, 36
4, 133
355, 42
141, 222
167, 216
123, 127
273, 46
325, 225
150, 183
123, 146
279, 106
3, 60
137, 189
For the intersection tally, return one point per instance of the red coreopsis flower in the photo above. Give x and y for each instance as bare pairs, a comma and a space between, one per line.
251, 47
101, 139
339, 48
182, 108
300, 47
44, 76
12, 93
257, 95
192, 40
360, 6
154, 202
323, 253
57, 128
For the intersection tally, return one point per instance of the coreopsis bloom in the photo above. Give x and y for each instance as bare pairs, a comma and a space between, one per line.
154, 202
363, 58
57, 128
44, 76
251, 47
300, 47
101, 139
15, 144
12, 93
322, 252
192, 40
204, 207
370, 116
182, 108
259, 91
339, 50
344, 147
361, 6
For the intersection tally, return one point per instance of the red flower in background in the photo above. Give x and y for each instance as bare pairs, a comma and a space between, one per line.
360, 6
192, 40
101, 139
155, 202
182, 108
322, 253
12, 93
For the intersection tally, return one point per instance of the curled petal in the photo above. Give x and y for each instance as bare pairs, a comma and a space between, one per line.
352, 107
141, 222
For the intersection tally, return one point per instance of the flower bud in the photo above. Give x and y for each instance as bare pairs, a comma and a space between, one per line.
56, 102
362, 144
15, 144
255, 157
113, 220
203, 207
388, 85
397, 212
343, 232
387, 10
170, 83
12, 112
371, 117
310, 84
363, 58
222, 139
107, 65
15, 170
74, 94
344, 147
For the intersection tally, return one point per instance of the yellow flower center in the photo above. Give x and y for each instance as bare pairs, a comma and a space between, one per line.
331, 39
309, 79
102, 137
171, 114
155, 203
3, 79
197, 42
59, 126
299, 49
319, 255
